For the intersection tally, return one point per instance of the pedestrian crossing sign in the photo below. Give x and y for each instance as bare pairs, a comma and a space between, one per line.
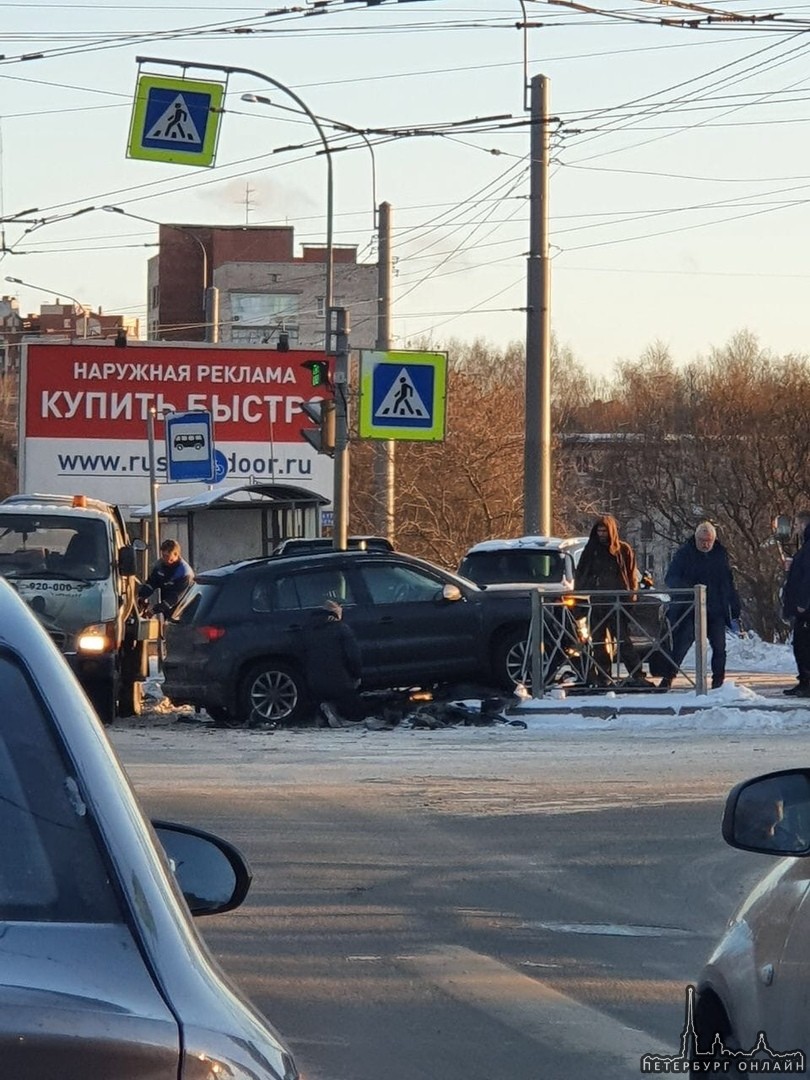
403, 395
175, 120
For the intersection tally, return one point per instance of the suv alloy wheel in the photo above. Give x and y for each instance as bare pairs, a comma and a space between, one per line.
273, 693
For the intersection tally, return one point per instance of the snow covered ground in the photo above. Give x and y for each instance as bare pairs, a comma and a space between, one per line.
737, 706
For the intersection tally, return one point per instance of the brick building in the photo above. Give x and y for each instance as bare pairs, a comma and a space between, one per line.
66, 321
265, 289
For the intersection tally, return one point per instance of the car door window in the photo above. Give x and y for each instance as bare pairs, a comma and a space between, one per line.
388, 584
302, 589
51, 867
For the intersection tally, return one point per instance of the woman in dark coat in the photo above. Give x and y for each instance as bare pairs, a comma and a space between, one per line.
609, 563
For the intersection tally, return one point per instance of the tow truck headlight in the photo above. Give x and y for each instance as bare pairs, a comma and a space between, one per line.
97, 638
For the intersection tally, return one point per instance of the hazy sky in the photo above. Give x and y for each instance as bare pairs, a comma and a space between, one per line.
679, 189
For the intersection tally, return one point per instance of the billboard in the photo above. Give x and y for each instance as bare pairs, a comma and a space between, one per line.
84, 408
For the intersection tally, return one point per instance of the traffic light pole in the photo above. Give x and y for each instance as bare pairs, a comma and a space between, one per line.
339, 326
384, 452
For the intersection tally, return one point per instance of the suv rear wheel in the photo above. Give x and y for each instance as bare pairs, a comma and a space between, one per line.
273, 693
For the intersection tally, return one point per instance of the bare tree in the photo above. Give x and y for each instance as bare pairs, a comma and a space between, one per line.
724, 438
469, 488
8, 435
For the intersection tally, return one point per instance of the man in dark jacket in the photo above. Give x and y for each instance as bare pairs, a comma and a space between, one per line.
333, 664
702, 560
609, 563
796, 606
172, 575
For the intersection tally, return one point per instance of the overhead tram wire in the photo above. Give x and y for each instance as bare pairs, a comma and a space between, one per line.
646, 142
186, 180
599, 113
436, 268
655, 107
689, 228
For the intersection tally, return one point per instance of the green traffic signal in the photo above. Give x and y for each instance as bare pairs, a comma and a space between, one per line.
319, 371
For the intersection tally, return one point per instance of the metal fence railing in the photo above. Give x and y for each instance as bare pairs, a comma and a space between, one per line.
590, 640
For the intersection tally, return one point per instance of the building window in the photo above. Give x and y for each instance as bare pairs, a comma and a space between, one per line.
258, 318
320, 304
155, 300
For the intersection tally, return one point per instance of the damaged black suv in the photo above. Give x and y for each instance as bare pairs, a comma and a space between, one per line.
238, 645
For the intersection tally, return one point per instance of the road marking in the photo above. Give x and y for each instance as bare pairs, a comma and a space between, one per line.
530, 1006
608, 929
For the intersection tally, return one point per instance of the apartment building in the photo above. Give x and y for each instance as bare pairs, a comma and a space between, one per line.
264, 289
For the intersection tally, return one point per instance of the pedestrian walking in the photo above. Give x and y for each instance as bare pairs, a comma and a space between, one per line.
796, 607
609, 563
702, 560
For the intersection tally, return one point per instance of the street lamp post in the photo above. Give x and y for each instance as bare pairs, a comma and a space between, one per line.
210, 294
85, 310
260, 99
228, 70
340, 500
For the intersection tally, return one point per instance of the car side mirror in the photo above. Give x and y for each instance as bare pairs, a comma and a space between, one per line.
782, 528
770, 814
451, 592
213, 875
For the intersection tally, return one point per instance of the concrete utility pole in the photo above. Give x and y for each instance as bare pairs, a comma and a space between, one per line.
537, 445
384, 451
338, 344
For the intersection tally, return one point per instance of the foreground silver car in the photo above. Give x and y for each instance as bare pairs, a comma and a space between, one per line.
758, 978
102, 974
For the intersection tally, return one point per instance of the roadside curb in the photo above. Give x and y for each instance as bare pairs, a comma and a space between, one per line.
608, 710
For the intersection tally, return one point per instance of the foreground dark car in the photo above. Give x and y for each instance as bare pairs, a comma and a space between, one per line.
102, 974
239, 644
758, 977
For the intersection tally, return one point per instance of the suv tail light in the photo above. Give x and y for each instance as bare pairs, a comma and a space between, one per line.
211, 633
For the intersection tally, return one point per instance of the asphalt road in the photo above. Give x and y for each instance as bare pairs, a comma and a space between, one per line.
470, 904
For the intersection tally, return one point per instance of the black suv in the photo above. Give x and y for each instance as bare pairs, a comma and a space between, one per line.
313, 545
238, 644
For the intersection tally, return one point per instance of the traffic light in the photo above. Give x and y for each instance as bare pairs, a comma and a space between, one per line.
322, 413
319, 371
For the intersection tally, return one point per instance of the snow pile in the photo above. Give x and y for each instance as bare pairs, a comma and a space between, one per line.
751, 653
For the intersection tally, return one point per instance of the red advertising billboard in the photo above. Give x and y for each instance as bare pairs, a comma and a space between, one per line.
85, 406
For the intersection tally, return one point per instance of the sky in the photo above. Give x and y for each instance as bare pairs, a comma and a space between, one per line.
678, 195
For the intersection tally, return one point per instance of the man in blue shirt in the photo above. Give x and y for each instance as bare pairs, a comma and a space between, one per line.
172, 575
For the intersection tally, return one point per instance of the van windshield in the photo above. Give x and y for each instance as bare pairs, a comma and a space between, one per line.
42, 544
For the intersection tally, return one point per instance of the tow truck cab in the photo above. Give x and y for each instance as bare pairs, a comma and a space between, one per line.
71, 559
